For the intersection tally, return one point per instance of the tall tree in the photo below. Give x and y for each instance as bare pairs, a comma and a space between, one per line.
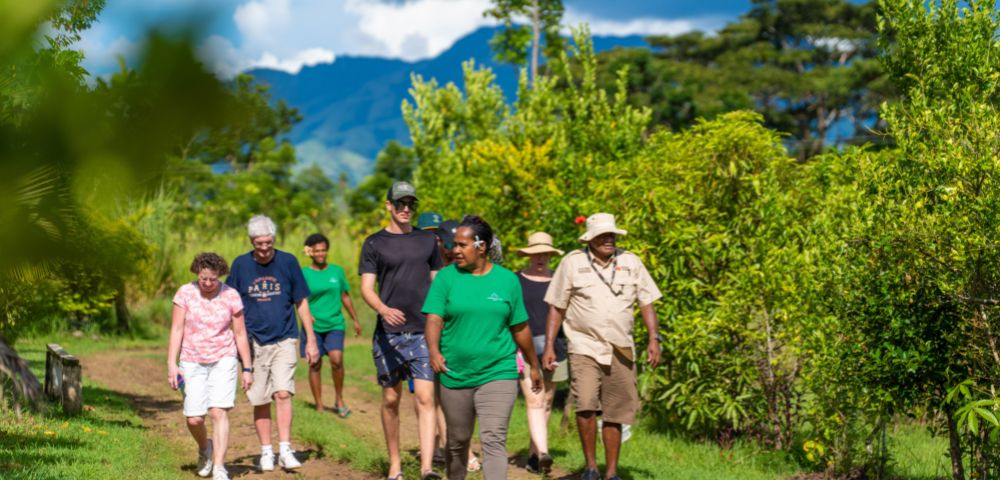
809, 66
70, 155
514, 42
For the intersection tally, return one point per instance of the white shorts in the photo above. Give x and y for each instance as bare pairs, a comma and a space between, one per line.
208, 385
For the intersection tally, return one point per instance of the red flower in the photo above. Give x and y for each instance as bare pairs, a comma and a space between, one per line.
580, 219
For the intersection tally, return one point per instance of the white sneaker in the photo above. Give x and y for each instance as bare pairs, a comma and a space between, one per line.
267, 462
220, 474
288, 461
205, 461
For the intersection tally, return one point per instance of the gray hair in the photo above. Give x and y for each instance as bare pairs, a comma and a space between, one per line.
261, 226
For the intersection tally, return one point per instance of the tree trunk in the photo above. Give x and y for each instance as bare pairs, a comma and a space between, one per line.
121, 308
536, 37
954, 446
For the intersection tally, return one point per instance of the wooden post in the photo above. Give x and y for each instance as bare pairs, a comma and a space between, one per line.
63, 378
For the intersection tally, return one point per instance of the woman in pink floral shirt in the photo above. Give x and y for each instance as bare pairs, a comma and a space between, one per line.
207, 332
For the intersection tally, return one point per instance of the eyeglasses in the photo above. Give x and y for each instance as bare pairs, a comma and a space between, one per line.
401, 204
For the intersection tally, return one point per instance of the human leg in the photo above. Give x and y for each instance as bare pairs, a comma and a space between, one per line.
316, 384
337, 372
537, 420
494, 402
585, 386
283, 384
220, 434
611, 435
460, 413
423, 392
620, 401
221, 397
390, 425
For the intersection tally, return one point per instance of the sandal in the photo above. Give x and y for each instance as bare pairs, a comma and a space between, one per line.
473, 465
398, 476
343, 411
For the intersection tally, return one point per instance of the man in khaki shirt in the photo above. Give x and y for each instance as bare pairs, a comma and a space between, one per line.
595, 289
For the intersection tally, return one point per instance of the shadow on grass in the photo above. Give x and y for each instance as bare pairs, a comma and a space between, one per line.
24, 455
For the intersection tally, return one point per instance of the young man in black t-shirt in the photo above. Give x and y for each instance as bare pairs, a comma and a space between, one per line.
402, 261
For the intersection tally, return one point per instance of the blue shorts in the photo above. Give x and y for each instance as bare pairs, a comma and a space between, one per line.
399, 356
326, 341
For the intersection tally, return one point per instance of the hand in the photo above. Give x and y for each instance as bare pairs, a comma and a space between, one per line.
549, 359
357, 328
247, 380
312, 351
393, 316
536, 380
438, 362
172, 376
653, 353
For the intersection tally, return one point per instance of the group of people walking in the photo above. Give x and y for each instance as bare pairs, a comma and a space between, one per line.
462, 331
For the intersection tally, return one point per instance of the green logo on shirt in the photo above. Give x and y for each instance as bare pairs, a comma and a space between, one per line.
494, 297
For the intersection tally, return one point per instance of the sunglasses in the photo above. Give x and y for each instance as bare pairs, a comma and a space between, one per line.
401, 204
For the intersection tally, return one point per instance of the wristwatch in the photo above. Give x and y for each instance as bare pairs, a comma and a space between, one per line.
247, 369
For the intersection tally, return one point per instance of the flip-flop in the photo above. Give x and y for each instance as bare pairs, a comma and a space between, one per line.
343, 411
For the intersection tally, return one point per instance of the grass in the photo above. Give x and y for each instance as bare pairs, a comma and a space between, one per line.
649, 454
107, 440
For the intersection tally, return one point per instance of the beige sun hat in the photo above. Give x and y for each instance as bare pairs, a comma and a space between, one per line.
598, 224
539, 242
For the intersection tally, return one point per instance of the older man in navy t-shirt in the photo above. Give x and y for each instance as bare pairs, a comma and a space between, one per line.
272, 287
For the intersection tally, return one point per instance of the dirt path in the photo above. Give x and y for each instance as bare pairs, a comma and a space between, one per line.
136, 374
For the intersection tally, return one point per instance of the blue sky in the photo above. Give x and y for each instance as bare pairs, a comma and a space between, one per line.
289, 34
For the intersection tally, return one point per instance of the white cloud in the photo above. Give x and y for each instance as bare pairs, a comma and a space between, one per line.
305, 58
221, 57
642, 26
289, 35
419, 28
103, 57
260, 21
226, 60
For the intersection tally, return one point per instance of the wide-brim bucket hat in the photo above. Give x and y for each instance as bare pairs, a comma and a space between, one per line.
539, 242
599, 224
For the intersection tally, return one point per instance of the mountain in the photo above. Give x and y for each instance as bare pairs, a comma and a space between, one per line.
351, 107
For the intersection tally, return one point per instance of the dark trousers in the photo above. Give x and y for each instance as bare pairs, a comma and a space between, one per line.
491, 403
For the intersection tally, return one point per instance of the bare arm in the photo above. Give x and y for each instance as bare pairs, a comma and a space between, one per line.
522, 337
653, 327
312, 351
243, 347
174, 347
391, 315
345, 299
552, 323
432, 334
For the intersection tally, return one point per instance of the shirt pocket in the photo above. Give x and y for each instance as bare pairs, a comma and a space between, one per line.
628, 286
583, 286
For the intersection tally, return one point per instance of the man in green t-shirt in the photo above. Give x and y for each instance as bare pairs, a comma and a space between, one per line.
330, 294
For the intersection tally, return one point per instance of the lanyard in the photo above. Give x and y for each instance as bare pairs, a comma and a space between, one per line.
614, 270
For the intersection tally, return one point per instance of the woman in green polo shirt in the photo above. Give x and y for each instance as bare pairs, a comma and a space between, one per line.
475, 322
329, 294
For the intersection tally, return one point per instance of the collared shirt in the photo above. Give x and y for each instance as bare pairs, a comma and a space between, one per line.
597, 320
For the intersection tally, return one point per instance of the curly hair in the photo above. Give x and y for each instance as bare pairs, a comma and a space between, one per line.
211, 261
